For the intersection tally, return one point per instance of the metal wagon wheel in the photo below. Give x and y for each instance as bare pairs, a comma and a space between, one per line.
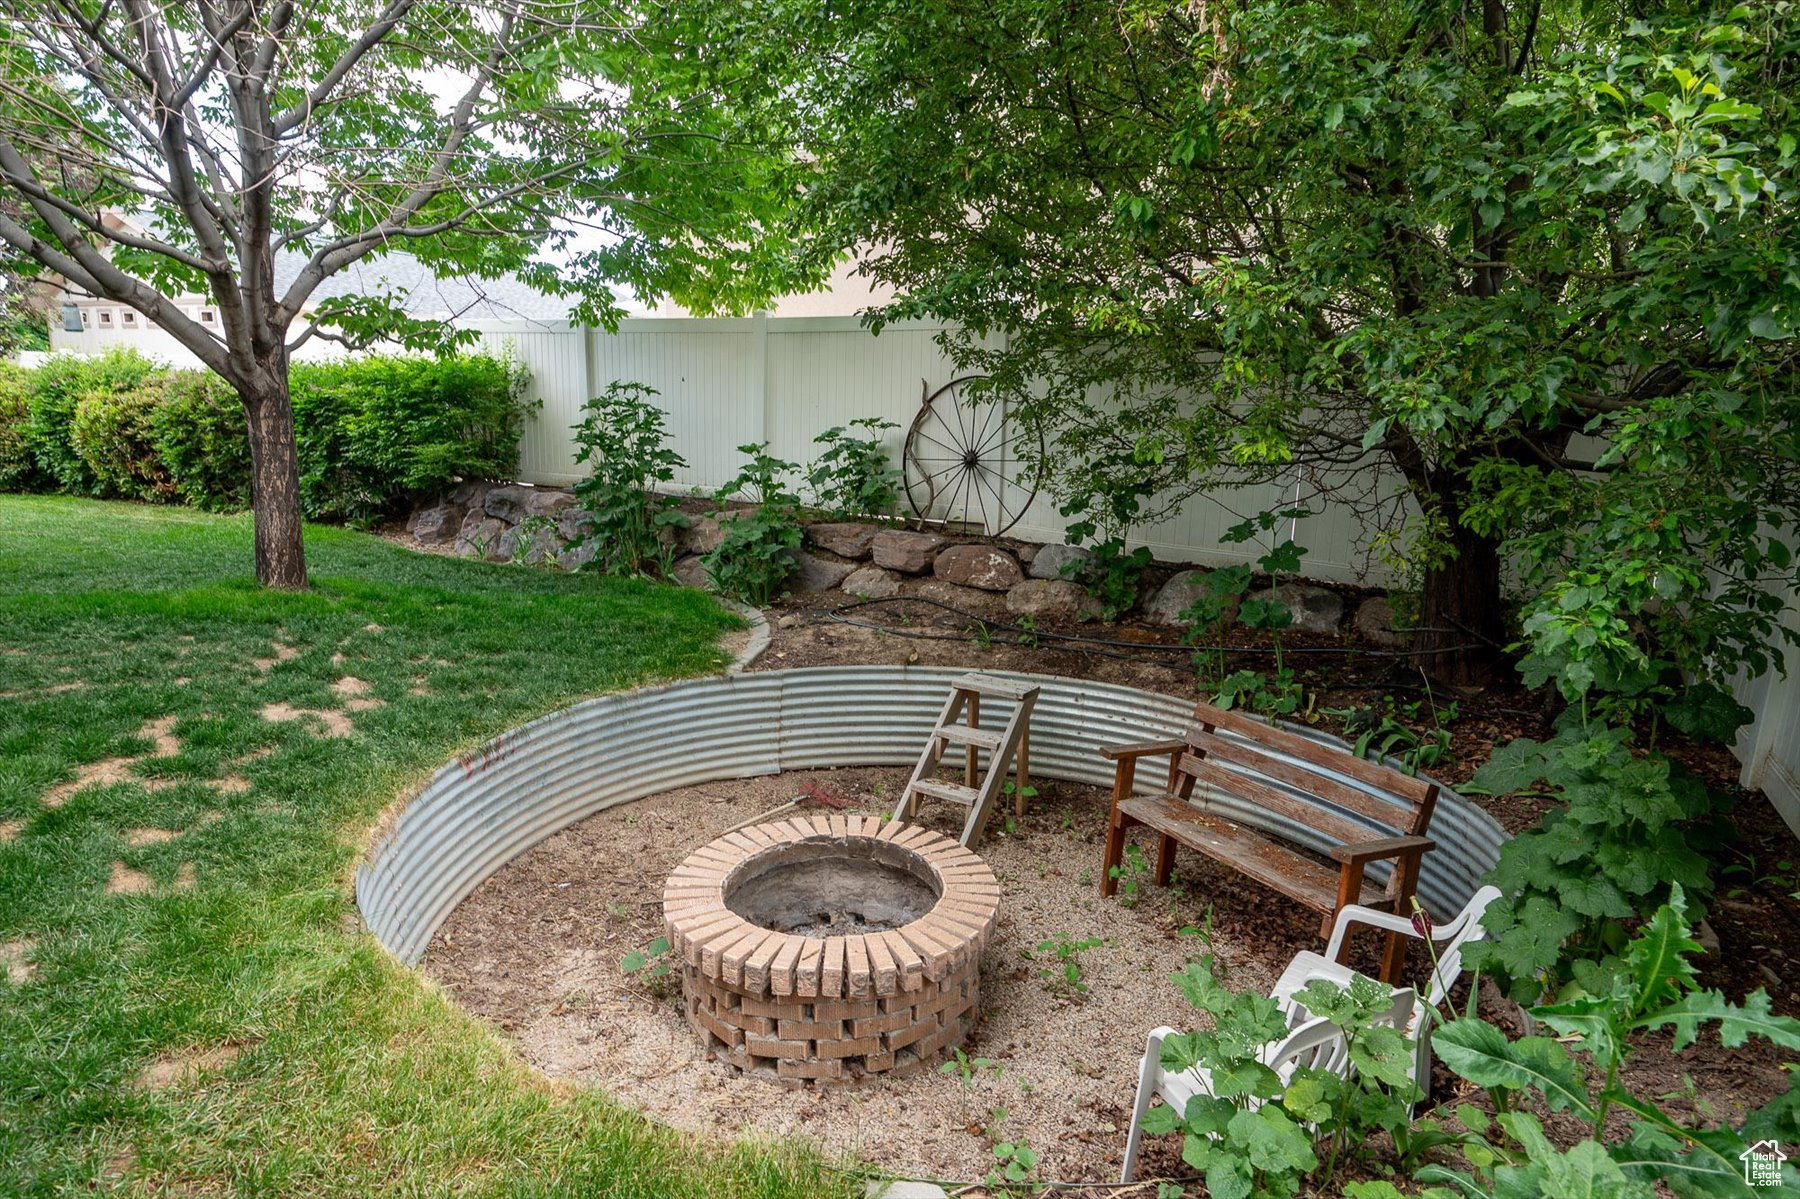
961, 466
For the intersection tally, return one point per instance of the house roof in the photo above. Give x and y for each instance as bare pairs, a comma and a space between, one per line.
422, 291
425, 293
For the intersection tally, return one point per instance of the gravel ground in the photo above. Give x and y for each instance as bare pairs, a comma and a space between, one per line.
536, 950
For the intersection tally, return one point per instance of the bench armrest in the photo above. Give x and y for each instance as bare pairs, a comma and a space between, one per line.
1142, 749
1387, 847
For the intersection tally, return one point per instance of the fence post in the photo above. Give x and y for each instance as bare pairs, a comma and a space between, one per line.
761, 356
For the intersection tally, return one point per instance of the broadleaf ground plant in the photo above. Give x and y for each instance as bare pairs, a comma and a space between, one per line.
852, 476
759, 546
1647, 987
623, 440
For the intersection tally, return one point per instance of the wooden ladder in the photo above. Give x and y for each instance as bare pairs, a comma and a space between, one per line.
978, 791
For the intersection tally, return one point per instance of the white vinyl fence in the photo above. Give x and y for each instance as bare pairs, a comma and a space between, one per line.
1769, 747
784, 380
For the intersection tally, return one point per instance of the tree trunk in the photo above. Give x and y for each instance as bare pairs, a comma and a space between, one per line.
1462, 619
275, 480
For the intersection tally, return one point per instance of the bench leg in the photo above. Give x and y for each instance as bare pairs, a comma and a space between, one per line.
1165, 859
1115, 854
1024, 773
1393, 959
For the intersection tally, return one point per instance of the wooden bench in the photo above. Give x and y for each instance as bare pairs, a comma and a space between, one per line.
1367, 811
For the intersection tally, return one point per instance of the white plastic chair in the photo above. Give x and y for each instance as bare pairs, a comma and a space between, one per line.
1449, 938
1310, 1042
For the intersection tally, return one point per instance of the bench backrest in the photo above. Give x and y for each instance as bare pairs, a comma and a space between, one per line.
1317, 786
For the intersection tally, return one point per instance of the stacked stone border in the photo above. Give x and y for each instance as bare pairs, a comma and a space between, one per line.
833, 1010
993, 579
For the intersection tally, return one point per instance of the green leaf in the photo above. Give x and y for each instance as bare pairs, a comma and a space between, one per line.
1586, 1172
1513, 767
1272, 1140
1479, 1052
1708, 712
1161, 1120
1657, 956
1737, 1023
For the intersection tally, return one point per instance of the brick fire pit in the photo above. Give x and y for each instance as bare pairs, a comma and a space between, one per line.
831, 948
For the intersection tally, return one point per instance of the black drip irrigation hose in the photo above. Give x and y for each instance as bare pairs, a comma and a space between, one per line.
1139, 647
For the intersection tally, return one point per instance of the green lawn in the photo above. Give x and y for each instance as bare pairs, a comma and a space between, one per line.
216, 1022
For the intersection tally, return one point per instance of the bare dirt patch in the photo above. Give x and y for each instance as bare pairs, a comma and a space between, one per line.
188, 1065
126, 881
105, 773
354, 693
137, 838
536, 950
334, 724
282, 653
10, 830
161, 733
16, 956
185, 877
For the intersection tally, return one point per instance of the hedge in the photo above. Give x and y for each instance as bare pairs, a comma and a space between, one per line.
374, 434
19, 470
57, 389
379, 429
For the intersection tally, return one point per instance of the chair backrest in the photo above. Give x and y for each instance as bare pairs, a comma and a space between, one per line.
1321, 787
1458, 933
1317, 1043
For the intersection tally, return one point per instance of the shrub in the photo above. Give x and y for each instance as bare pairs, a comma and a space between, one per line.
853, 476
57, 387
760, 547
19, 470
377, 433
204, 442
112, 431
623, 441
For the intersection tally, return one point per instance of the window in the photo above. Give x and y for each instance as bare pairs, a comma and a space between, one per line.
106, 318
206, 316
128, 318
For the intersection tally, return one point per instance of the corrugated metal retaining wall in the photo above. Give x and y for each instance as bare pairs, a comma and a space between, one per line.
479, 812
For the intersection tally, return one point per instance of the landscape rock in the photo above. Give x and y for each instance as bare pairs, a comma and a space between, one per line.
872, 582
1052, 559
1052, 599
573, 523
577, 556
1175, 597
702, 536
1315, 609
539, 545
846, 540
470, 493
689, 572
983, 566
548, 501
908, 553
983, 604
814, 573
1375, 621
508, 503
434, 526
479, 535
506, 547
